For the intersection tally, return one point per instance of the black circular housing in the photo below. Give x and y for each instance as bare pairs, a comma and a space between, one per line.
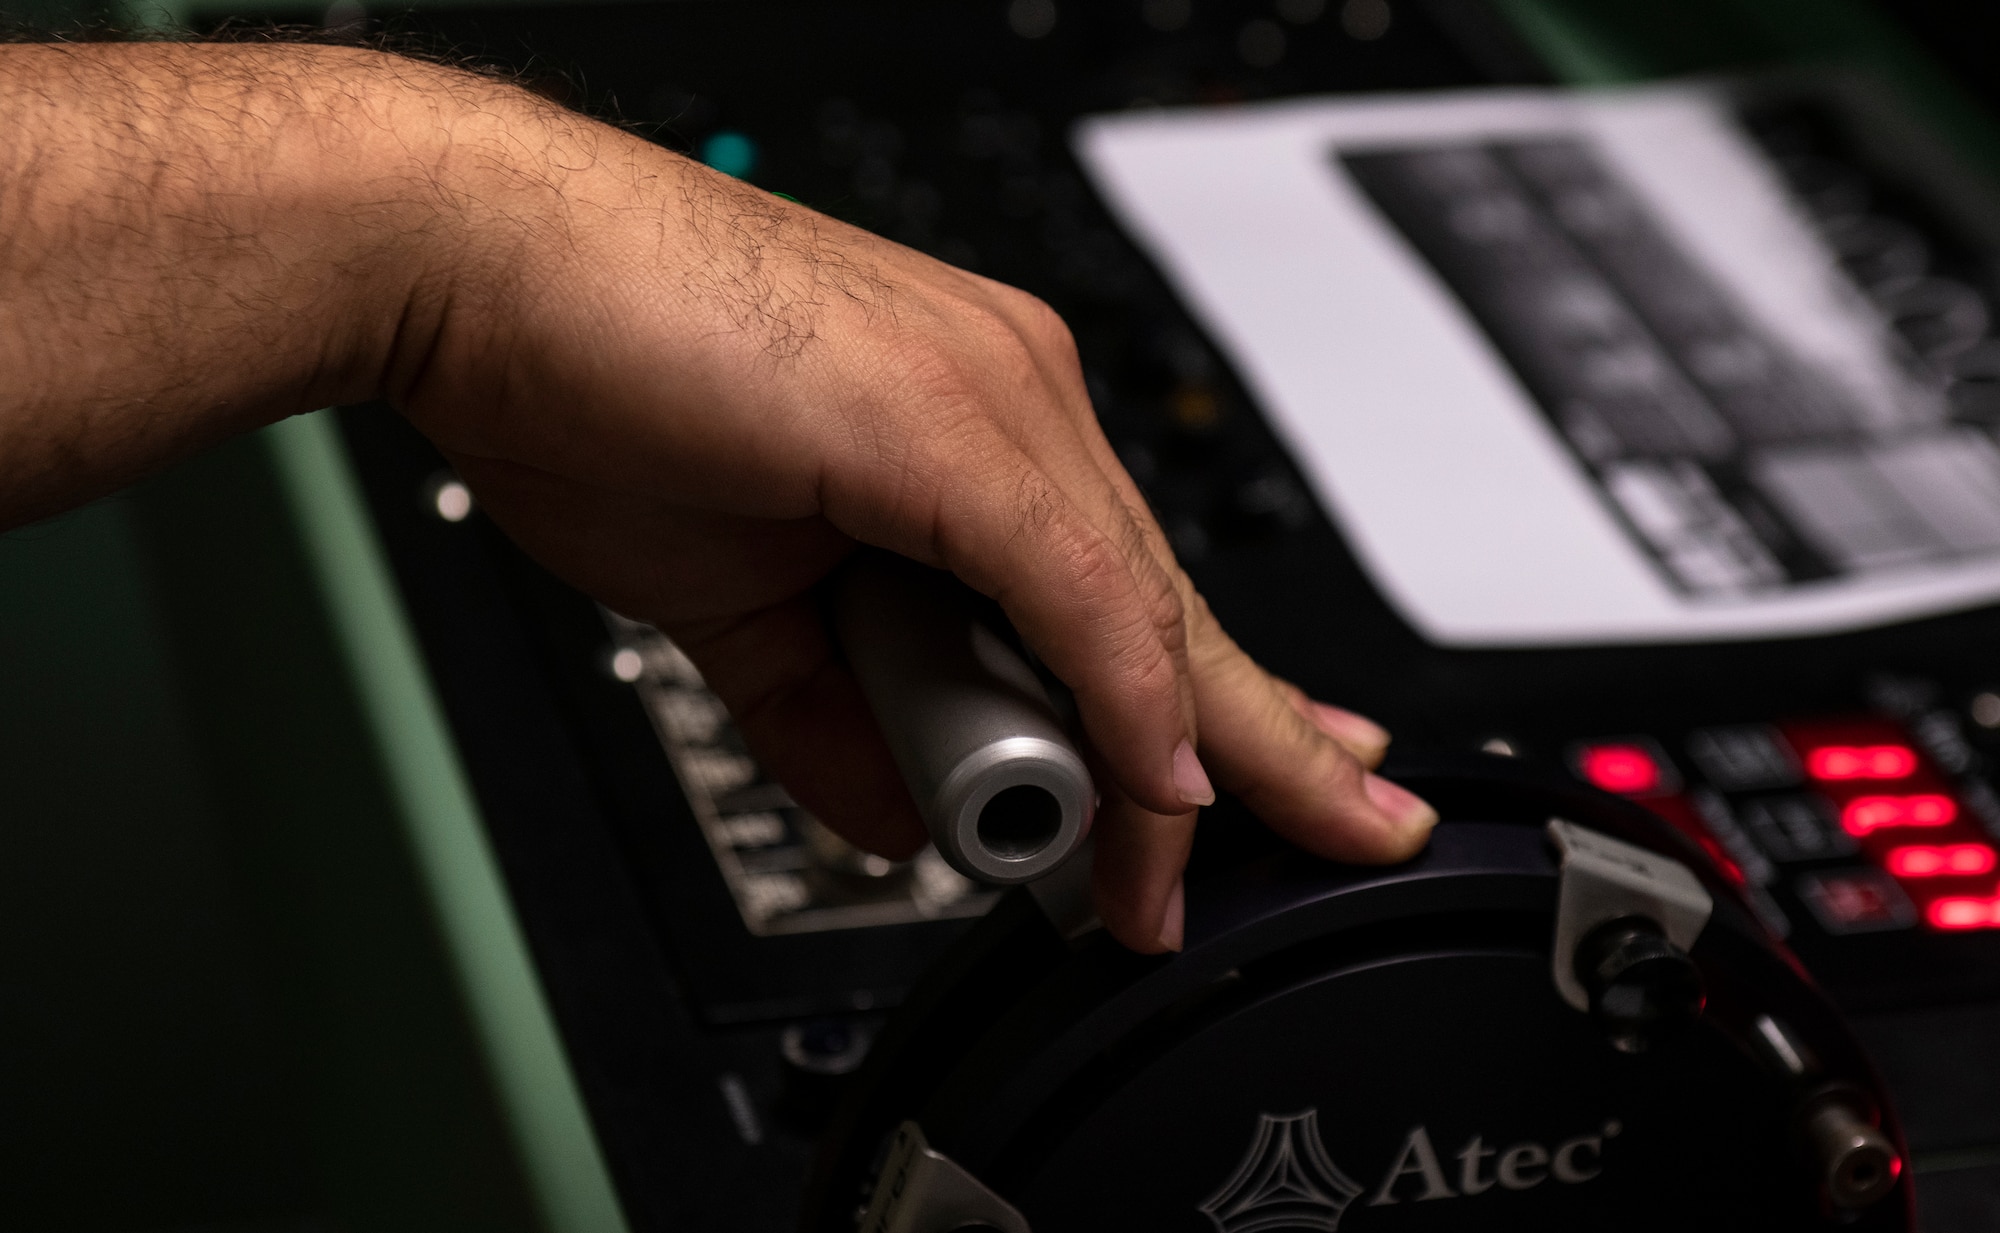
1381, 1049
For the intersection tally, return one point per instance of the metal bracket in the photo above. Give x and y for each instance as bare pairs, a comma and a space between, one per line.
921, 1190
1604, 879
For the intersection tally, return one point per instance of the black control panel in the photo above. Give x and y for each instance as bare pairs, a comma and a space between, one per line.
719, 962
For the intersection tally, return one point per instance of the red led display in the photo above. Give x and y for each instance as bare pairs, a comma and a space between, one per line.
1920, 846
1626, 769
1960, 912
1856, 900
1949, 860
1866, 814
1833, 762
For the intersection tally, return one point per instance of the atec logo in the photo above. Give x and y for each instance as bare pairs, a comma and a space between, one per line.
1284, 1182
1287, 1181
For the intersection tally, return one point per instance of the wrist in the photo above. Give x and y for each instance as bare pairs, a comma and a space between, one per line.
248, 223
202, 238
394, 171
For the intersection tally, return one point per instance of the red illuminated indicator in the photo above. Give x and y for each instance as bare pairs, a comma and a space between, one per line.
1620, 768
1965, 912
1861, 762
1941, 860
1865, 814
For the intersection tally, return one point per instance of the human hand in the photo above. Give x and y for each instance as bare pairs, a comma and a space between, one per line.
686, 396
692, 400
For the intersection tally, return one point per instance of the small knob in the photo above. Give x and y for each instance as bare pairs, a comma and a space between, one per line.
1857, 1164
828, 1047
819, 1056
1643, 989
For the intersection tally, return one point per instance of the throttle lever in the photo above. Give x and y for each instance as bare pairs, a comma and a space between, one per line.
1002, 789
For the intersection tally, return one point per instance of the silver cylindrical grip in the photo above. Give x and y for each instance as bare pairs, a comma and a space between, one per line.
1003, 791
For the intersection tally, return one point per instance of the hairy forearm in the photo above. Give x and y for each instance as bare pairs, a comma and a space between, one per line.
196, 240
686, 396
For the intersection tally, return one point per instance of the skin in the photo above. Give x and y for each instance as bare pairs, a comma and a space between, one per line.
684, 395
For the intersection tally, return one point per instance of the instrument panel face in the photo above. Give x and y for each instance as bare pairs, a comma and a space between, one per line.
786, 871
708, 946
1865, 839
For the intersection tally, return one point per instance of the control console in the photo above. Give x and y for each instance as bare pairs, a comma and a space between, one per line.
723, 967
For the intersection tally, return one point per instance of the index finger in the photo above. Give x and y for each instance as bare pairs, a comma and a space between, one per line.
978, 506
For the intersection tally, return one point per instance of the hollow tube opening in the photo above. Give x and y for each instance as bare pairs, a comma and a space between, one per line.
1019, 822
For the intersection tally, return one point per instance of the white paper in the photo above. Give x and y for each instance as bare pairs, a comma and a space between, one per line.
1465, 501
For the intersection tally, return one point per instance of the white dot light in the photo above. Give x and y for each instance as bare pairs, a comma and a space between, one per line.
627, 664
452, 500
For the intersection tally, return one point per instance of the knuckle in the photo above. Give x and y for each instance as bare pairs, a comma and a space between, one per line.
1096, 566
994, 328
1141, 657
1165, 607
1038, 503
925, 367
1029, 331
1047, 326
1129, 621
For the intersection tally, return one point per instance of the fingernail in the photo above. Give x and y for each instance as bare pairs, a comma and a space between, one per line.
1404, 808
1349, 728
1189, 779
1173, 924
